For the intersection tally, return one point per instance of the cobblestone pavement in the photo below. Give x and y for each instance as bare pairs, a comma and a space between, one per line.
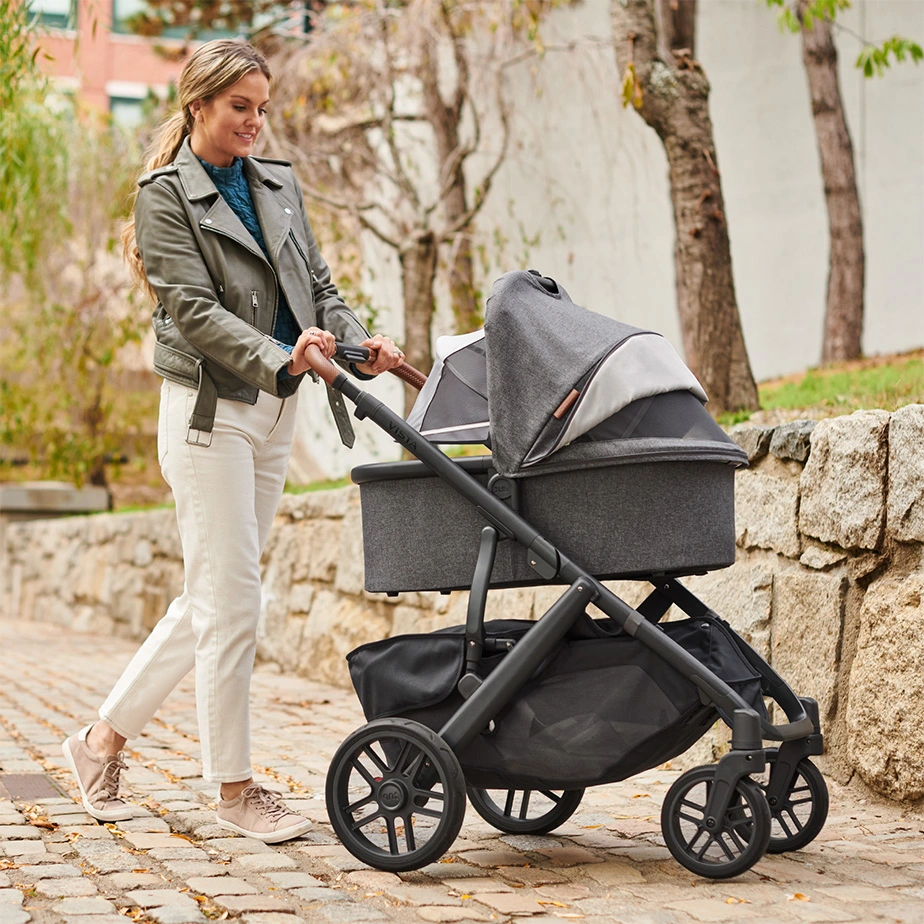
172, 864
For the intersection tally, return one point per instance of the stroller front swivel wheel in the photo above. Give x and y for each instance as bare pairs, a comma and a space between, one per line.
395, 795
801, 814
525, 811
715, 848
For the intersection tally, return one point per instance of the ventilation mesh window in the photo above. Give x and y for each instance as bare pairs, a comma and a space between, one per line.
676, 415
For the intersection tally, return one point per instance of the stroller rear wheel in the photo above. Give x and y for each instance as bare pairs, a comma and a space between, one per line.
733, 844
525, 811
395, 795
801, 815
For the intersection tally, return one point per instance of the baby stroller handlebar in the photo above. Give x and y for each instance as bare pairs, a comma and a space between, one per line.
357, 354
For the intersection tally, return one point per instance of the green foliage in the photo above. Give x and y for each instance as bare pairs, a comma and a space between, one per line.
874, 59
818, 9
33, 154
65, 335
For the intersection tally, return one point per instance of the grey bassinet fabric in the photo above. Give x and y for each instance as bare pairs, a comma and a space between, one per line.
618, 521
543, 350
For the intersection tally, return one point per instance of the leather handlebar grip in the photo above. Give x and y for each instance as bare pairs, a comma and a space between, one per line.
319, 363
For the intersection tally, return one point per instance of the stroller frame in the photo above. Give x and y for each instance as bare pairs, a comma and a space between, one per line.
800, 737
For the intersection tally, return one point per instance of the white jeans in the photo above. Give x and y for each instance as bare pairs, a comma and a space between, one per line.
226, 497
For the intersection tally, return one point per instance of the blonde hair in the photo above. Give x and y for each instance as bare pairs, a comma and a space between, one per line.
213, 67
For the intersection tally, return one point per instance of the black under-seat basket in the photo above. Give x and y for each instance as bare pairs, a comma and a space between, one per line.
601, 708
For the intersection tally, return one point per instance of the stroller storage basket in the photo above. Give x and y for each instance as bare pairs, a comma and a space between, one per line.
629, 519
602, 708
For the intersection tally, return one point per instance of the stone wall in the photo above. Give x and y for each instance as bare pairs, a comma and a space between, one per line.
828, 583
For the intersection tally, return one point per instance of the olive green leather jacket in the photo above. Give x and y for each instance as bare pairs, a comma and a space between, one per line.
218, 294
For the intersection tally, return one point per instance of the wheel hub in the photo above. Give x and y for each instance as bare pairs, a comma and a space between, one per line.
392, 796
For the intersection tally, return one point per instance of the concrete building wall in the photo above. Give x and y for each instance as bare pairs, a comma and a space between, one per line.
589, 178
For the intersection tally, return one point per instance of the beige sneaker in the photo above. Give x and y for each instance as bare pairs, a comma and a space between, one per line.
261, 813
98, 779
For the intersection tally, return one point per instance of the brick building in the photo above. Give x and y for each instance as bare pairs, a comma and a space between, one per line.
92, 53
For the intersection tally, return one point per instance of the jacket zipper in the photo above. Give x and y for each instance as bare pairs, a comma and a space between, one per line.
255, 305
262, 256
579, 399
298, 247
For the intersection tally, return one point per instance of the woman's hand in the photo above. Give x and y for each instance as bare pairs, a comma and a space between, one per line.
323, 339
383, 355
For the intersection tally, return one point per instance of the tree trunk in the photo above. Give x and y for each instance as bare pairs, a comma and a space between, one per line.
675, 103
418, 272
843, 327
445, 118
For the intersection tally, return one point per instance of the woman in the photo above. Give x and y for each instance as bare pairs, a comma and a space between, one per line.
221, 239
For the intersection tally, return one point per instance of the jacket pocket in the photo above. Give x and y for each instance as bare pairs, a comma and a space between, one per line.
176, 366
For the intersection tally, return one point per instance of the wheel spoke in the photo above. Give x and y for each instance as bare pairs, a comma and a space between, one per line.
551, 795
392, 835
690, 818
693, 805
359, 803
508, 805
524, 805
739, 842
430, 794
706, 846
409, 832
725, 848
399, 760
413, 768
430, 813
367, 750
363, 772
362, 822
781, 821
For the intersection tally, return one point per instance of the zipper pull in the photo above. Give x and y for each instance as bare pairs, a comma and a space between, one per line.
253, 299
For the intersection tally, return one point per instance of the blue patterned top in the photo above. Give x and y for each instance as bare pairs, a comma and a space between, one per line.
235, 190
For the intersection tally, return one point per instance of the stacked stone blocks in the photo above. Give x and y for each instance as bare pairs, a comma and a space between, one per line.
827, 584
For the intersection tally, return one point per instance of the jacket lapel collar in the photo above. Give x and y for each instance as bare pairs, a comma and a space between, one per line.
274, 215
198, 185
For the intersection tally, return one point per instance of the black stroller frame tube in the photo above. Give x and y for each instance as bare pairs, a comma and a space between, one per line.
476, 712
474, 715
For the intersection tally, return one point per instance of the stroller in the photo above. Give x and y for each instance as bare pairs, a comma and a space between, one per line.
604, 465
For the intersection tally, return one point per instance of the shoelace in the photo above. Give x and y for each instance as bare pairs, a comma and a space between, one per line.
265, 801
109, 787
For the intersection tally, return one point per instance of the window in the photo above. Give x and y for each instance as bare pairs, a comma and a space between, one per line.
124, 10
58, 14
127, 111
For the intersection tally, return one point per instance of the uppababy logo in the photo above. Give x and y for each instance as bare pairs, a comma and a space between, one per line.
401, 434
390, 796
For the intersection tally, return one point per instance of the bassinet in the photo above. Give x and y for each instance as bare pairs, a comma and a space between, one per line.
599, 438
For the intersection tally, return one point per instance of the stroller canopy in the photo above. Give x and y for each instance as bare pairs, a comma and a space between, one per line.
566, 388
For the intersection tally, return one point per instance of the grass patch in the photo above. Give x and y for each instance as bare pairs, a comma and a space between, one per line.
322, 485
880, 382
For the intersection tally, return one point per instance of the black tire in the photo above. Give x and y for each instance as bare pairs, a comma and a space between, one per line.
525, 811
734, 845
799, 818
395, 795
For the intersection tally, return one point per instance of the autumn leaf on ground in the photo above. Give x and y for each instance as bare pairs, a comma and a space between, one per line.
798, 897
